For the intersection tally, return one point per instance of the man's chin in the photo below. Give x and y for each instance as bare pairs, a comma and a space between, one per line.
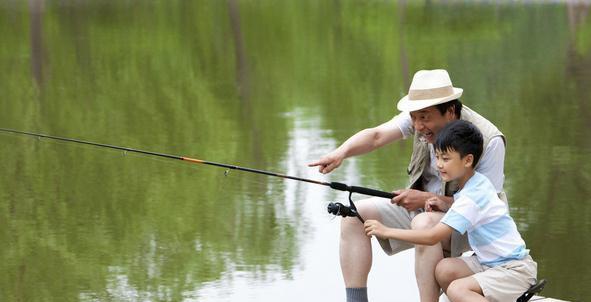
429, 138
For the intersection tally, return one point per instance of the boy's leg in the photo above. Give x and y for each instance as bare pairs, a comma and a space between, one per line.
427, 257
451, 269
465, 289
505, 282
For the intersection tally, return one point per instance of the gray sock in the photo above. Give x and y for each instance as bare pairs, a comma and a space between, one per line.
357, 294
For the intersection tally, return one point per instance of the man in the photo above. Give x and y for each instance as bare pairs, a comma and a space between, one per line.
431, 103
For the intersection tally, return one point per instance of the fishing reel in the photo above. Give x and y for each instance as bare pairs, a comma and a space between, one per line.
339, 209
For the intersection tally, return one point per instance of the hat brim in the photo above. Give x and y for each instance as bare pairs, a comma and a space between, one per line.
407, 105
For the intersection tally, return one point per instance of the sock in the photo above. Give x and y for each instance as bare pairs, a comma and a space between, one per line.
357, 294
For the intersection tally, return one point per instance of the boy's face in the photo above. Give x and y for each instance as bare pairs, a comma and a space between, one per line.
429, 121
451, 166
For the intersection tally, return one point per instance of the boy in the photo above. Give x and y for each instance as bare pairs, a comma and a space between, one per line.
501, 268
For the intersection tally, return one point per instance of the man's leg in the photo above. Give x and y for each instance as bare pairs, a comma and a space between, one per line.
427, 257
355, 251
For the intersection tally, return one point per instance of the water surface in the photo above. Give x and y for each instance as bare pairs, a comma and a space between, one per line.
268, 85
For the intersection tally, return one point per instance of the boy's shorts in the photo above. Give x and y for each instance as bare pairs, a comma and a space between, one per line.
395, 216
505, 282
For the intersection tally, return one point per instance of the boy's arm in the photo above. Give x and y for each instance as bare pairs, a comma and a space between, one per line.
423, 237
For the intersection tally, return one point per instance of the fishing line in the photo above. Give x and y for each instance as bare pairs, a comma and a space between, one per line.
335, 208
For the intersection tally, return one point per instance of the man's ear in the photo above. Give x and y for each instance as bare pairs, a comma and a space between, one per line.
450, 113
469, 160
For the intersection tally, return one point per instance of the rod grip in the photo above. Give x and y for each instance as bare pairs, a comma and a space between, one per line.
372, 192
361, 190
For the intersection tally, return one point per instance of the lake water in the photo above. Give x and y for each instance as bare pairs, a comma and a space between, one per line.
269, 85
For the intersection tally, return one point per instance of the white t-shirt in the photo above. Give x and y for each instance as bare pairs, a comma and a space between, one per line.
491, 163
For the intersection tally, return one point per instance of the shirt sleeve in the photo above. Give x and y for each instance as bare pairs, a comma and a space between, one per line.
462, 215
492, 162
404, 123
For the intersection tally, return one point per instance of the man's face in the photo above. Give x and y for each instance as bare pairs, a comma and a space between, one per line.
427, 122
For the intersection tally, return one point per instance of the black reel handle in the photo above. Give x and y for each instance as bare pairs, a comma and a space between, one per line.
339, 209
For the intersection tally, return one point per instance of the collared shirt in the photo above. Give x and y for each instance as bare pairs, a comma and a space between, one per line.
492, 233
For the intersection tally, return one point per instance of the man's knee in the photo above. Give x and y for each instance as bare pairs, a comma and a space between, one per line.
425, 221
367, 210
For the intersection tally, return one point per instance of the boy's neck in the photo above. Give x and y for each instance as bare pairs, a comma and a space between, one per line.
464, 179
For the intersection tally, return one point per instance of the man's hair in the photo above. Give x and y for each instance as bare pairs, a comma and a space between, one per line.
460, 136
455, 104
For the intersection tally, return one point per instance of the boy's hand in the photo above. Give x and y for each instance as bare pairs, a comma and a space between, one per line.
436, 204
375, 228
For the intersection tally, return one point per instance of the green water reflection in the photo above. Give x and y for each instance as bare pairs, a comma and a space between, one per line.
228, 81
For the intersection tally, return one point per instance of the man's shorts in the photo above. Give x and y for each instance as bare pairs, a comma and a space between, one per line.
395, 216
505, 282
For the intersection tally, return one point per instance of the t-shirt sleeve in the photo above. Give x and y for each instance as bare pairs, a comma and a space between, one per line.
404, 122
462, 215
492, 162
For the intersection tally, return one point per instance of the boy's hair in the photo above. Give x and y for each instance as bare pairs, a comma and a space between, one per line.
455, 104
460, 136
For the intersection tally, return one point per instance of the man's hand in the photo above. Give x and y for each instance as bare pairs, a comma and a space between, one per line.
329, 162
411, 199
436, 204
375, 228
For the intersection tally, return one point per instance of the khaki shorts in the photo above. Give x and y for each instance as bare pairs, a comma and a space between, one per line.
505, 282
395, 216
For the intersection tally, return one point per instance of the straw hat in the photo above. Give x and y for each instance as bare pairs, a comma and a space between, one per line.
428, 88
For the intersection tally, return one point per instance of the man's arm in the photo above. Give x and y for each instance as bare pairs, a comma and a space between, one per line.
362, 142
423, 237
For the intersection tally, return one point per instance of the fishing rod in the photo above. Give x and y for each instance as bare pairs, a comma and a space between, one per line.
333, 208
